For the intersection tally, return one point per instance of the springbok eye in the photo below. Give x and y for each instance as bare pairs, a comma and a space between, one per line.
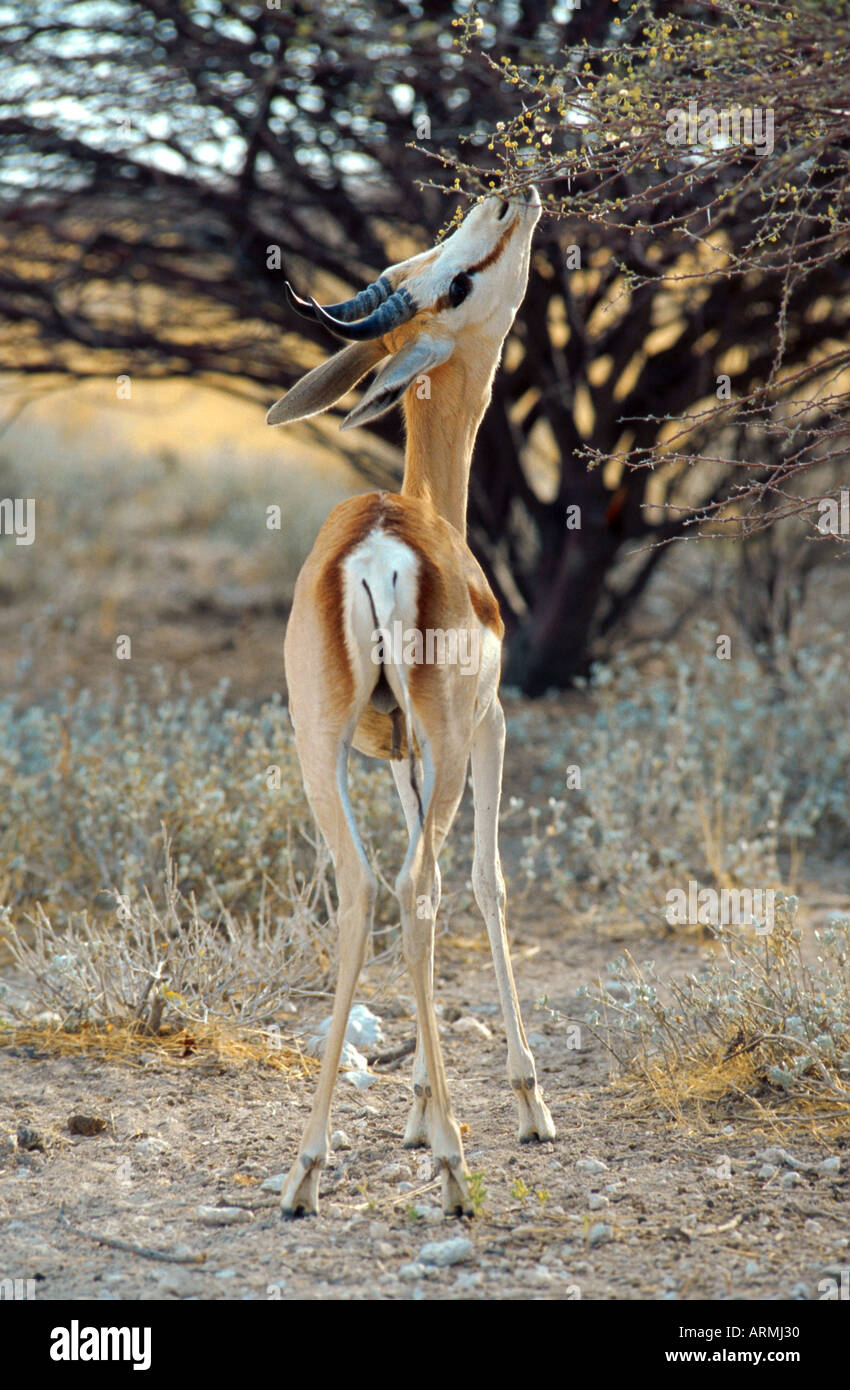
459, 288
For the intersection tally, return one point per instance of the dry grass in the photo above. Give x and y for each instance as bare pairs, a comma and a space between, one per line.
198, 1046
758, 1023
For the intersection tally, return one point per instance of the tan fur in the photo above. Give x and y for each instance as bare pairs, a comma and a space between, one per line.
455, 713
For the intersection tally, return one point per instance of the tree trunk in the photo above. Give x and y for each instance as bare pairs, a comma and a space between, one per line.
552, 645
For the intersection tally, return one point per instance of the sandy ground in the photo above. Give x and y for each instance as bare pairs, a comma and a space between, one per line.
673, 1209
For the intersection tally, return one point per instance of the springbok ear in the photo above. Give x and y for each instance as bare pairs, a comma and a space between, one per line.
323, 386
417, 357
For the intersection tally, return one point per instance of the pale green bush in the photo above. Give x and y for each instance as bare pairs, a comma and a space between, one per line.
701, 775
757, 1000
89, 786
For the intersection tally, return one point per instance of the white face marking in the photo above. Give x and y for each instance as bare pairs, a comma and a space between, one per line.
497, 289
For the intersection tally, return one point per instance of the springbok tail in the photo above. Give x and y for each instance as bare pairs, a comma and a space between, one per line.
382, 602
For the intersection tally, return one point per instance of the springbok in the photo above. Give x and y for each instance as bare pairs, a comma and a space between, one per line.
388, 562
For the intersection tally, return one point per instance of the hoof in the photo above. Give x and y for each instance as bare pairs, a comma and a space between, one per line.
535, 1122
456, 1199
416, 1134
300, 1194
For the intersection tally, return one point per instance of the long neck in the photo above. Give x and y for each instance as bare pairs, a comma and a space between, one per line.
441, 430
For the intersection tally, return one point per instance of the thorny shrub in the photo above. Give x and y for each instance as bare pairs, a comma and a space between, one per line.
709, 773
150, 864
755, 1001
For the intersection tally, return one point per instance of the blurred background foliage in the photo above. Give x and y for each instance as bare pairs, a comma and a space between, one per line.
165, 165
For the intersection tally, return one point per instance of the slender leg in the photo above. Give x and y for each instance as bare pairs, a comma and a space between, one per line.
415, 888
324, 763
488, 747
416, 1130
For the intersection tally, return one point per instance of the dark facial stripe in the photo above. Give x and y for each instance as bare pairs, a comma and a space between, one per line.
490, 259
497, 250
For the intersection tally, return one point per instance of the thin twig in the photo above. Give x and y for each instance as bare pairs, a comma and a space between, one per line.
141, 1250
393, 1056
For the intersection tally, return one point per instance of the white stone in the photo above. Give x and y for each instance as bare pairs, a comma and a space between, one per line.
224, 1216
446, 1252
591, 1165
473, 1027
361, 1078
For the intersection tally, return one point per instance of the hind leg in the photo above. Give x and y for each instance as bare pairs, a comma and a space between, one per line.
442, 790
324, 762
416, 1129
488, 747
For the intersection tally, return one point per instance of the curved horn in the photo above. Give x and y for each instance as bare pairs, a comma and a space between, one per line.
395, 310
348, 309
301, 306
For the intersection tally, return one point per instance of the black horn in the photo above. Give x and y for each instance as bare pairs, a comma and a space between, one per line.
348, 309
395, 310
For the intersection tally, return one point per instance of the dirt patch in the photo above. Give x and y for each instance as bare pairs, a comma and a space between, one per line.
672, 1209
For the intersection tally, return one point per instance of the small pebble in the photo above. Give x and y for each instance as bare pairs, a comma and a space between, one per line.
446, 1252
49, 1019
360, 1078
394, 1172
86, 1124
29, 1139
340, 1140
789, 1180
147, 1148
781, 1157
426, 1213
599, 1233
597, 1200
591, 1165
223, 1216
473, 1027
176, 1281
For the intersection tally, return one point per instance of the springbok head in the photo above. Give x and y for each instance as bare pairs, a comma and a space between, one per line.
458, 299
